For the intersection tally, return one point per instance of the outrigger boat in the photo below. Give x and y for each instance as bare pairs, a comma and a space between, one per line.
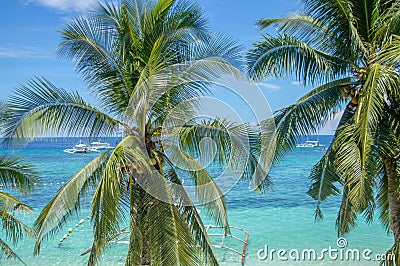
224, 235
98, 146
310, 144
79, 148
121, 238
112, 239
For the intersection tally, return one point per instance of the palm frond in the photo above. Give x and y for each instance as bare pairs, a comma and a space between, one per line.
89, 42
383, 203
307, 115
325, 181
302, 27
357, 156
389, 54
8, 202
17, 174
347, 215
40, 108
5, 250
237, 146
324, 176
358, 179
207, 192
285, 55
191, 215
68, 199
193, 74
364, 13
107, 206
139, 200
3, 113
388, 146
172, 241
14, 228
340, 17
387, 23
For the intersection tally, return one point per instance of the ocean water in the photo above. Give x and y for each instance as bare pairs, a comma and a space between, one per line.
282, 219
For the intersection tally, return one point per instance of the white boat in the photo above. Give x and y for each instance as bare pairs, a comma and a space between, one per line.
98, 146
310, 144
78, 148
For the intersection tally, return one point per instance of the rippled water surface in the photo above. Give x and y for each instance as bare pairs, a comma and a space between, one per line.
283, 218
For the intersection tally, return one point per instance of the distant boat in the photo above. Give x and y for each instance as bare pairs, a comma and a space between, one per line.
98, 146
310, 144
78, 148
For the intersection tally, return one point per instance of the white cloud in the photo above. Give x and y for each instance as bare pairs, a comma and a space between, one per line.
21, 52
297, 83
65, 5
269, 86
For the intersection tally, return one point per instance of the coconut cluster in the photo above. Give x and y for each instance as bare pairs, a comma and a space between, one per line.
354, 91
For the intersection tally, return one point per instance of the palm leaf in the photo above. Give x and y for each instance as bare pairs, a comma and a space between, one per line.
359, 178
41, 108
287, 56
237, 146
347, 215
189, 211
357, 156
324, 181
67, 199
383, 203
306, 116
172, 241
193, 78
9, 202
107, 206
340, 17
8, 252
14, 228
324, 175
302, 27
16, 173
207, 192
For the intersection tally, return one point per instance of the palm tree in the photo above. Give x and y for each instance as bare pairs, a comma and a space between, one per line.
348, 50
19, 175
147, 63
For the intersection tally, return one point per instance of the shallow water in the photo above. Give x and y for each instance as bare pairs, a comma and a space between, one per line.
281, 219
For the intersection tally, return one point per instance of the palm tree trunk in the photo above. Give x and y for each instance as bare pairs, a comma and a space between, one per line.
394, 201
132, 258
135, 258
145, 252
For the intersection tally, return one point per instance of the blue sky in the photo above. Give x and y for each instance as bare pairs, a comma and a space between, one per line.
29, 37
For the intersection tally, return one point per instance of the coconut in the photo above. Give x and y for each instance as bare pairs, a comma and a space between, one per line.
351, 105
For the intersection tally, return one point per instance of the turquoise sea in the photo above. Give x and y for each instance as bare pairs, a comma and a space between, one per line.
283, 218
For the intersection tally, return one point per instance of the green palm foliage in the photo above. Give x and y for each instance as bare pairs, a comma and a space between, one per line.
19, 175
146, 62
349, 51
15, 174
